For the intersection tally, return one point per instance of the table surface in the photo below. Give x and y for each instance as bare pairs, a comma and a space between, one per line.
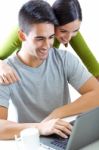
11, 144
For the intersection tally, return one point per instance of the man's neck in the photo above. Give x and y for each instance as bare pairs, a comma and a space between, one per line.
28, 60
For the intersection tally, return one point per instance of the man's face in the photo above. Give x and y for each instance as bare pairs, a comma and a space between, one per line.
66, 32
39, 40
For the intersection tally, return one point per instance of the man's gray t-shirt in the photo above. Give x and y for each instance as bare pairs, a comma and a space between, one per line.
42, 89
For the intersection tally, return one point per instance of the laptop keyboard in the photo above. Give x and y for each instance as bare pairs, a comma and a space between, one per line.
54, 141
60, 142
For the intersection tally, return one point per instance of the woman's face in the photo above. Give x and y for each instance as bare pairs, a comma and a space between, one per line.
66, 32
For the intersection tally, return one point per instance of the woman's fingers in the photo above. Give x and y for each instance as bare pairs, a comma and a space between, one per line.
7, 74
9, 77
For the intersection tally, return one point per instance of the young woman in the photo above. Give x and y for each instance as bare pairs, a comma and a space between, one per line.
69, 15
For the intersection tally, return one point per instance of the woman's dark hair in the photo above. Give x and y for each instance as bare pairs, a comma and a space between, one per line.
35, 11
67, 11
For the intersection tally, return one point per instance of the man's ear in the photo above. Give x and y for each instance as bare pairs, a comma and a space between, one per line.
22, 35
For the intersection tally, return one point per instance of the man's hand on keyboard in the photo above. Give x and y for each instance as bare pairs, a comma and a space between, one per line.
55, 126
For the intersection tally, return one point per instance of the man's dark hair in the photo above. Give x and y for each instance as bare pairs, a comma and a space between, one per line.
67, 11
34, 12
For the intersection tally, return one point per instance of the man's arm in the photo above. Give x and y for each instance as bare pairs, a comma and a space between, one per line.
88, 100
9, 129
3, 113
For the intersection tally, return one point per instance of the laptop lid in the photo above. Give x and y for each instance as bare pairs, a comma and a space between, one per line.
85, 131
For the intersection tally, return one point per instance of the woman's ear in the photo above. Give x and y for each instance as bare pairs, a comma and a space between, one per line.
22, 35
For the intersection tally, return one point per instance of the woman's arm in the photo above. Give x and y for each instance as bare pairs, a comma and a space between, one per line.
12, 43
81, 48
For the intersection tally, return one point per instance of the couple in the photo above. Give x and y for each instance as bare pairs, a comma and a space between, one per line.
42, 92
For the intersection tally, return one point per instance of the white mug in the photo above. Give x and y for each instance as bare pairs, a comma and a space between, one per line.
29, 139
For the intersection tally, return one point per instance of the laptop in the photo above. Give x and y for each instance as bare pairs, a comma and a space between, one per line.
85, 131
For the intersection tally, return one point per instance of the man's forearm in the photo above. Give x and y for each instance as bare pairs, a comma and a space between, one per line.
9, 129
82, 104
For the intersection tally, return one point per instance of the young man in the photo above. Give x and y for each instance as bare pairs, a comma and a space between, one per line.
28, 95
44, 76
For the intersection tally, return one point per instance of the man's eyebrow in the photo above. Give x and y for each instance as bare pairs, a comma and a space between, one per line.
38, 37
52, 35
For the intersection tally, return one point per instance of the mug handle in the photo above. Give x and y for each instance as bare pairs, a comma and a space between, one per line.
18, 142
